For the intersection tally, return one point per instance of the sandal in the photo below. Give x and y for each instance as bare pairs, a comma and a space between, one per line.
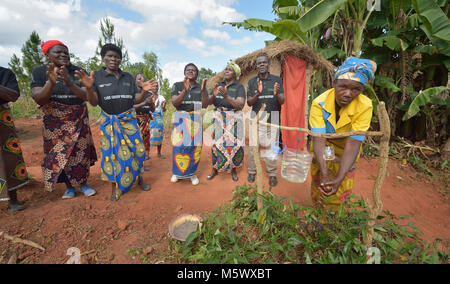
69, 194
87, 190
212, 175
234, 176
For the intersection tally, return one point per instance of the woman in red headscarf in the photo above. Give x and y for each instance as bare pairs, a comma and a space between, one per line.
68, 145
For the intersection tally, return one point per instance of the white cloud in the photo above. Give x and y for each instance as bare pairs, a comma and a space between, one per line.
6, 53
174, 71
241, 41
216, 34
202, 47
55, 32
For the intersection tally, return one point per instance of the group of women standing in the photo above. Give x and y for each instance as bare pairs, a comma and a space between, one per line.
189, 97
131, 122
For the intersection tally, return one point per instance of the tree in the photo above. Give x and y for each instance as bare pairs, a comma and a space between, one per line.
150, 67
107, 30
205, 73
32, 57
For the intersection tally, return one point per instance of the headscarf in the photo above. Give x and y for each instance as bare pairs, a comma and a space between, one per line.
237, 69
356, 69
49, 44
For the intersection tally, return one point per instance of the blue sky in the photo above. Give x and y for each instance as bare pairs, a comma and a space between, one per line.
178, 31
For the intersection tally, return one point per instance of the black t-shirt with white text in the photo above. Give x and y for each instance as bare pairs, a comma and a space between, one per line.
61, 93
115, 96
235, 90
266, 96
193, 98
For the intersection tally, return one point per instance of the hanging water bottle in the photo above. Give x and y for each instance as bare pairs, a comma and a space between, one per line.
328, 154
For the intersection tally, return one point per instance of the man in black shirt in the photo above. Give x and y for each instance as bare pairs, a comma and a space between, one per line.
265, 89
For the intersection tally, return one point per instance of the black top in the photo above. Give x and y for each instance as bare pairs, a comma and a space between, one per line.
115, 96
61, 93
145, 109
8, 79
192, 98
266, 96
235, 90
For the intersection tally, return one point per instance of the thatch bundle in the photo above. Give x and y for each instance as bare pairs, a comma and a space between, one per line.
276, 51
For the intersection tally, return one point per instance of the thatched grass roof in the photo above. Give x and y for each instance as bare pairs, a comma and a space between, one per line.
276, 51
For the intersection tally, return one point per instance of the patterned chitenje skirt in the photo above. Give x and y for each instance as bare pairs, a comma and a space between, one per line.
14, 174
69, 150
157, 129
144, 127
123, 150
187, 141
228, 137
345, 190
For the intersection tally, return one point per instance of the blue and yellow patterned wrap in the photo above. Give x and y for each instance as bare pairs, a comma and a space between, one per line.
123, 150
187, 141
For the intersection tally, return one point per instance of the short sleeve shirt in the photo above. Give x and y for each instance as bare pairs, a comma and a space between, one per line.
193, 98
158, 103
266, 96
115, 96
8, 79
235, 90
61, 93
356, 116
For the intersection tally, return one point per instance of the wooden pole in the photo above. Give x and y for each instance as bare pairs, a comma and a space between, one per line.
376, 208
309, 72
254, 124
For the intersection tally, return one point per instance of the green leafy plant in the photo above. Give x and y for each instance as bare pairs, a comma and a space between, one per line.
283, 232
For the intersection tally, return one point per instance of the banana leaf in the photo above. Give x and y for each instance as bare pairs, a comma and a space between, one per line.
425, 97
328, 53
386, 82
434, 19
319, 13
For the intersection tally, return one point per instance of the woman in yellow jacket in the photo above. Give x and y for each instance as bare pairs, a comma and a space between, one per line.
341, 109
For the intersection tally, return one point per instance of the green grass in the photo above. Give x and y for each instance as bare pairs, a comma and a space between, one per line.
25, 107
283, 232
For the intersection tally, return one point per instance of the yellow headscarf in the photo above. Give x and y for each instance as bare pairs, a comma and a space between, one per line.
237, 69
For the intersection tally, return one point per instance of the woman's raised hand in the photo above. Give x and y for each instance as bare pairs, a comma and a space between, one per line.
204, 84
87, 81
150, 85
52, 73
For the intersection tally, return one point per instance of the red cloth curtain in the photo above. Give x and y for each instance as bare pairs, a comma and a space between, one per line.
293, 110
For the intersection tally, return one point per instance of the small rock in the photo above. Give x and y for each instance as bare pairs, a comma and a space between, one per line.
148, 250
122, 225
111, 257
179, 208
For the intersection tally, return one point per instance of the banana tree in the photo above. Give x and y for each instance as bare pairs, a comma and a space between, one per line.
301, 23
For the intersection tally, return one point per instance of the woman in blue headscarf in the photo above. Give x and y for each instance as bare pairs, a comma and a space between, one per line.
341, 109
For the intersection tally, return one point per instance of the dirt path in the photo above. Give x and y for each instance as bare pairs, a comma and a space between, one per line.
109, 232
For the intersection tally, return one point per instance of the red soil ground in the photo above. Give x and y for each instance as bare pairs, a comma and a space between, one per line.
107, 232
